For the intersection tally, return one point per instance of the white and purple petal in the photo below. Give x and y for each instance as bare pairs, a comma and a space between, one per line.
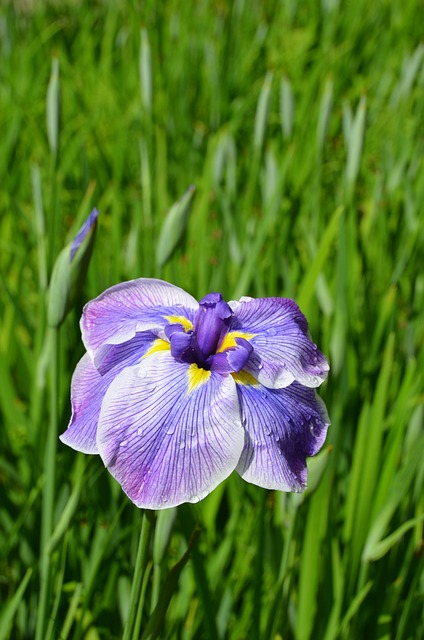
90, 384
283, 427
283, 351
121, 311
168, 436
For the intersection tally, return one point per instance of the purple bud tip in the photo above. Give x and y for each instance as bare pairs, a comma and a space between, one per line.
82, 233
210, 300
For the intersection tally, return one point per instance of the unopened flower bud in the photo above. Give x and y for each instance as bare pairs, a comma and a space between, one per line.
69, 271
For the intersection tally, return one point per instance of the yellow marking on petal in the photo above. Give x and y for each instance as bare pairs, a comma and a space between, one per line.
245, 378
197, 377
187, 324
158, 345
230, 339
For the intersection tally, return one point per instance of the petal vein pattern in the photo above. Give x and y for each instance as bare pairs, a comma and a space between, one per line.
283, 428
165, 446
175, 395
130, 307
89, 385
282, 349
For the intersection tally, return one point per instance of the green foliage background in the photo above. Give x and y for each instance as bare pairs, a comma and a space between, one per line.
301, 126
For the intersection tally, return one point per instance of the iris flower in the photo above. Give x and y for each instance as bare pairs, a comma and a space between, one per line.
174, 395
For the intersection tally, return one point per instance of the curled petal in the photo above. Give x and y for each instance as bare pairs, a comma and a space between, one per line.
138, 305
170, 432
283, 351
184, 345
233, 359
283, 427
89, 386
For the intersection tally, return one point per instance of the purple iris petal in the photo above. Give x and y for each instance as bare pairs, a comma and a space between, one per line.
89, 386
211, 322
232, 360
282, 349
164, 443
184, 345
170, 329
85, 229
175, 395
283, 427
138, 305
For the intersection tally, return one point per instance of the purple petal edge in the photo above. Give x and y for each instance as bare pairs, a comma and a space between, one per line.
283, 428
121, 311
166, 443
283, 351
89, 385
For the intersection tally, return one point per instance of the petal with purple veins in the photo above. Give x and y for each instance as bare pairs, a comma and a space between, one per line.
170, 432
283, 351
89, 386
138, 305
282, 428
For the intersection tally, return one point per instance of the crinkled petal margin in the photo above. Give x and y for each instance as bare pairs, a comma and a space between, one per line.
282, 428
282, 349
167, 438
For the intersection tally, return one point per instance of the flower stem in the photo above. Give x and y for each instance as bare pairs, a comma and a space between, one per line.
188, 524
49, 487
257, 597
140, 564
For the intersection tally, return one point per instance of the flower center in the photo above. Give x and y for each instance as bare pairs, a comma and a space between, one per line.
201, 345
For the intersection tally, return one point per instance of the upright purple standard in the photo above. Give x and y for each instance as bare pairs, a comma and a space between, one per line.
175, 395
